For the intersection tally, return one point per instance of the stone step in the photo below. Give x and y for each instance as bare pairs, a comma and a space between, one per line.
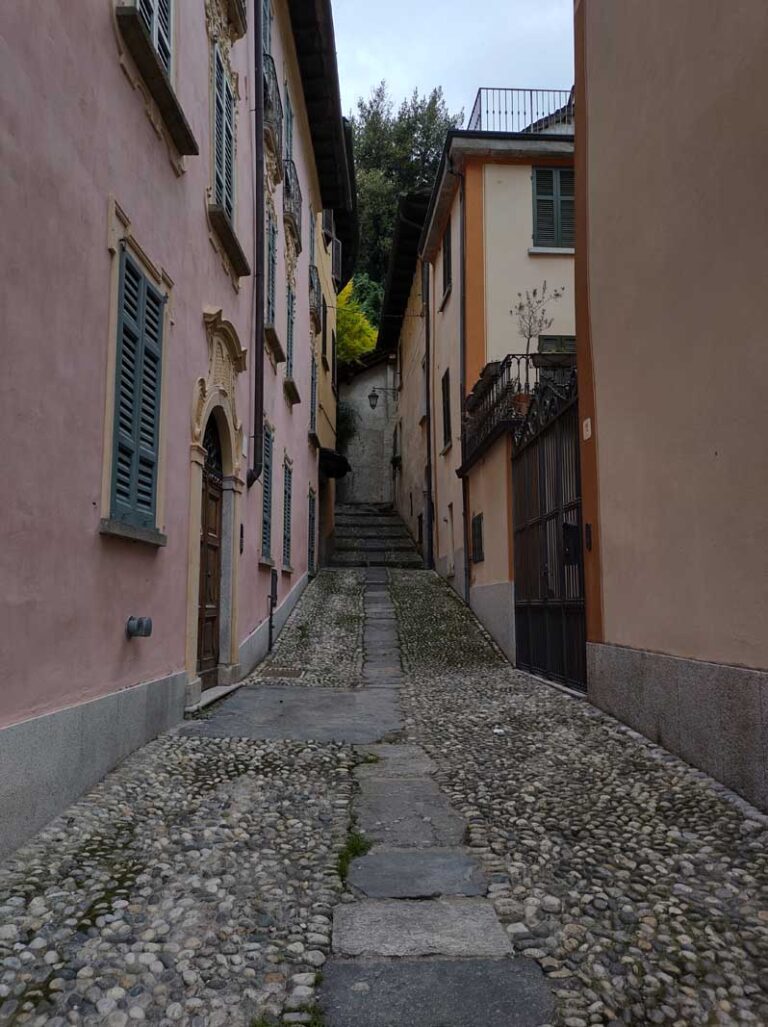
407, 812
401, 928
435, 993
375, 558
346, 544
417, 874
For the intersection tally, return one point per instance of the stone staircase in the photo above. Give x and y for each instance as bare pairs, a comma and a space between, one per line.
373, 536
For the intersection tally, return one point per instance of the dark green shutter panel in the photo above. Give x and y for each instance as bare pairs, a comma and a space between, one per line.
291, 311
147, 12
567, 204
229, 150
266, 24
545, 208
164, 33
313, 397
219, 129
271, 269
137, 398
266, 512
287, 514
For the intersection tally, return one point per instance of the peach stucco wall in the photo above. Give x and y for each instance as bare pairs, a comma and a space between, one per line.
410, 482
71, 140
678, 255
489, 492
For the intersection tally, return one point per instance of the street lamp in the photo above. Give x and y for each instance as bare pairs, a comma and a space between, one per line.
373, 395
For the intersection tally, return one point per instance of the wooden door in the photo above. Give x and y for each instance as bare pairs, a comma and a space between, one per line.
209, 618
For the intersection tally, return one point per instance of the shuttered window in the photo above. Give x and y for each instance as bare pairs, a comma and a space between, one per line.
553, 215
157, 15
334, 365
288, 125
312, 533
477, 539
446, 385
325, 332
313, 397
224, 138
137, 397
266, 496
266, 22
287, 512
269, 310
291, 313
447, 259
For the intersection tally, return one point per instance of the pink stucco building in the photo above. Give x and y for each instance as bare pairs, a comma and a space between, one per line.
161, 443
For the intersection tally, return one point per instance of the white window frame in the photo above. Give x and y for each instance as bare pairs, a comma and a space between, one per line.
150, 13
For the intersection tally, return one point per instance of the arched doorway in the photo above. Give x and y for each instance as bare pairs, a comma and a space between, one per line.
209, 611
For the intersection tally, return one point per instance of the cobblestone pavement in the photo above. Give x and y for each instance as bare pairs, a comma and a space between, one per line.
194, 885
322, 643
636, 885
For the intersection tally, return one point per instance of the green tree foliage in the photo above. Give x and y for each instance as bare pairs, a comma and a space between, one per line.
355, 335
369, 295
396, 151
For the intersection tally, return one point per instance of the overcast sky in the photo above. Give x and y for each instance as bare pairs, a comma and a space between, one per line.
457, 44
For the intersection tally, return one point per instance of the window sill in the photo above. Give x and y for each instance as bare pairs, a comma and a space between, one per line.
156, 79
446, 448
222, 226
291, 391
285, 569
551, 251
266, 562
273, 344
119, 529
446, 297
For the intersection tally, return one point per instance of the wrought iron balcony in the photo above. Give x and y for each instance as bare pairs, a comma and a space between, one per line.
292, 201
539, 111
273, 113
502, 395
315, 298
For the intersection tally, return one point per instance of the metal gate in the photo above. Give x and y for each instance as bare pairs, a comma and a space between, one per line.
550, 623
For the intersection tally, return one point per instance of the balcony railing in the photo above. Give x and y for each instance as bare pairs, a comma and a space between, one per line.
292, 201
541, 111
502, 395
315, 298
273, 112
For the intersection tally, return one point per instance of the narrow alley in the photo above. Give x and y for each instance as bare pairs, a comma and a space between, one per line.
390, 825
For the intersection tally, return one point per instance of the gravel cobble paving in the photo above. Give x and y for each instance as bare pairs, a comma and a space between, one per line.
322, 641
193, 886
638, 887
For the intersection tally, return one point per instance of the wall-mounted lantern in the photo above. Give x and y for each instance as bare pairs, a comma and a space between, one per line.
373, 395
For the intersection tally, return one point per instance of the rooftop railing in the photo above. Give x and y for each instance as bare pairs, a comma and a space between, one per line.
539, 111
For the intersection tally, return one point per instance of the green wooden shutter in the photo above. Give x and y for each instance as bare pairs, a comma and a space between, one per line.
311, 532
229, 150
220, 100
137, 398
266, 506
288, 125
291, 311
271, 269
566, 213
446, 389
287, 513
544, 207
266, 22
147, 12
164, 35
313, 397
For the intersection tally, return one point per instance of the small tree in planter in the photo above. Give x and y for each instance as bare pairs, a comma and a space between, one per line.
533, 320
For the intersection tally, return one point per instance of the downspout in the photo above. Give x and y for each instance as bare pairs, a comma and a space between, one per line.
428, 400
463, 375
257, 438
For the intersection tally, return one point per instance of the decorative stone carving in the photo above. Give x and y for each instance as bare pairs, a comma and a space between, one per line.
291, 259
226, 359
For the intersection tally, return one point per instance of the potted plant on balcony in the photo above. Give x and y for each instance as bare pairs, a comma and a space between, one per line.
533, 320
